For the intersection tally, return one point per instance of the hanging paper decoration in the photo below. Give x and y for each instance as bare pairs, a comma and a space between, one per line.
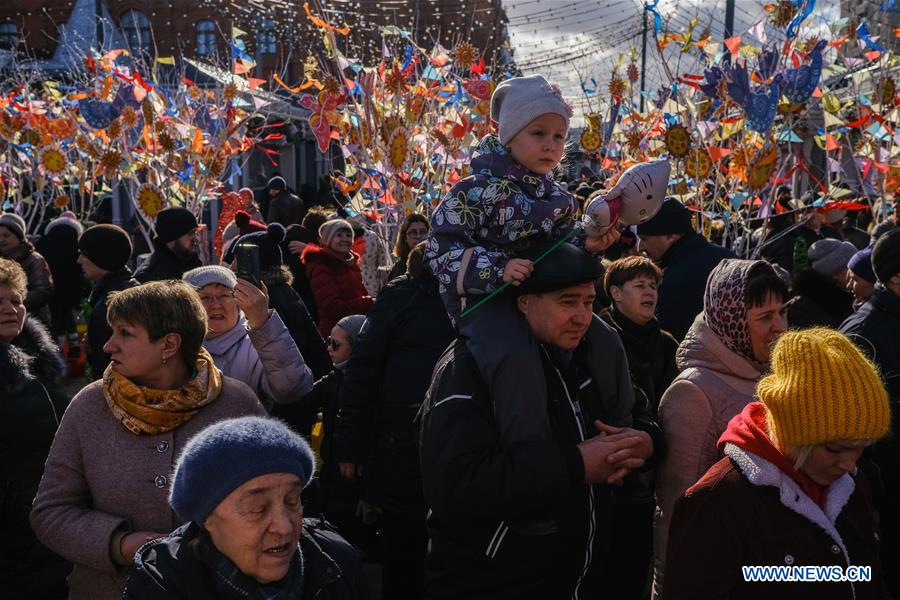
465, 55
150, 200
763, 167
798, 84
888, 90
678, 141
61, 201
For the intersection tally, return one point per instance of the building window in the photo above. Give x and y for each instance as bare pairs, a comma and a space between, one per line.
265, 38
136, 28
9, 36
206, 38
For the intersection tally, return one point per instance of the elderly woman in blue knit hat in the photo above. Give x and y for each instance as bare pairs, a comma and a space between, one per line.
238, 485
248, 340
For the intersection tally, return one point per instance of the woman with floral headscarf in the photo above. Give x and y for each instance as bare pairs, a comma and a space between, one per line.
723, 355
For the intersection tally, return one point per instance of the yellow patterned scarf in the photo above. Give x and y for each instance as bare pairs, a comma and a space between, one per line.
149, 411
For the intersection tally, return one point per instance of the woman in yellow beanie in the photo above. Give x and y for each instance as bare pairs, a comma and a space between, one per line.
787, 493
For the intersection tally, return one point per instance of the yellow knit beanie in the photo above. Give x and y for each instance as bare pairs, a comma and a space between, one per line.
823, 389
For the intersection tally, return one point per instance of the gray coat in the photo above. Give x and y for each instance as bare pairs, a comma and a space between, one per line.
266, 359
100, 477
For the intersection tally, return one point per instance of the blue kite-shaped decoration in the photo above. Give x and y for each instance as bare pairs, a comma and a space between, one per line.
714, 77
97, 113
800, 83
759, 107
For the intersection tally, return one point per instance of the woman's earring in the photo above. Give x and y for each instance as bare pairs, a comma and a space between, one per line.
164, 359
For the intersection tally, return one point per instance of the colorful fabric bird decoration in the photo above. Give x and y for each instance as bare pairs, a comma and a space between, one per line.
759, 107
714, 77
800, 83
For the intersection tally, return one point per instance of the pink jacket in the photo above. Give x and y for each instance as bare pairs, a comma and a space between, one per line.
714, 385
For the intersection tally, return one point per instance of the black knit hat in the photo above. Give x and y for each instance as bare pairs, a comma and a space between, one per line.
107, 246
277, 183
267, 241
564, 267
673, 217
886, 256
174, 222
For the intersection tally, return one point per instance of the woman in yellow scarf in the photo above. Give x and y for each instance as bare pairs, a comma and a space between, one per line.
105, 487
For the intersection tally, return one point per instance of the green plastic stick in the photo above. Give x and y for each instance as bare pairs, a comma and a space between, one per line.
500, 289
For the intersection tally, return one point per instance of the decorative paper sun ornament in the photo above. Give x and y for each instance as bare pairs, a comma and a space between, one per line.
593, 121
678, 141
114, 130
331, 84
229, 93
763, 167
61, 129
129, 117
110, 161
53, 161
61, 201
150, 200
634, 137
166, 142
33, 137
399, 147
590, 140
465, 54
782, 12
147, 109
698, 164
616, 86
633, 73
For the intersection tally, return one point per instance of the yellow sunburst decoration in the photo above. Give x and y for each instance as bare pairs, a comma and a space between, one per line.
465, 54
150, 200
678, 141
698, 164
590, 140
398, 148
53, 161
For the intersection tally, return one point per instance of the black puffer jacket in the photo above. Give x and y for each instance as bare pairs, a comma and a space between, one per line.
405, 333
284, 299
519, 522
59, 247
687, 266
164, 264
169, 568
875, 329
31, 405
817, 301
99, 330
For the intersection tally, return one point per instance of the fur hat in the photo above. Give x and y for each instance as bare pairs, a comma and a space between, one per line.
227, 454
518, 101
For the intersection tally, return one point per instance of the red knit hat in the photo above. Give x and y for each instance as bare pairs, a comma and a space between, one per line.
247, 225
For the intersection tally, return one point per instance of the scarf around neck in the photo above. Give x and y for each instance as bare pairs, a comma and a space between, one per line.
231, 582
148, 411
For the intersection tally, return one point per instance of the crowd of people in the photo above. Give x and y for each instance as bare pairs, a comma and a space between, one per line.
491, 401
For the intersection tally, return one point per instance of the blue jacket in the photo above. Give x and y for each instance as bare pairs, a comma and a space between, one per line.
687, 266
494, 215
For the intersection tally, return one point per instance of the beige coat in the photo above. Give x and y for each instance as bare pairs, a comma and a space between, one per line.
99, 477
714, 385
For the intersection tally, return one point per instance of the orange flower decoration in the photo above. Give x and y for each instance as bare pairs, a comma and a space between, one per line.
465, 54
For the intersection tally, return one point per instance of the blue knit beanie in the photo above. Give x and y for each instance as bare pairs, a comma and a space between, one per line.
227, 454
861, 265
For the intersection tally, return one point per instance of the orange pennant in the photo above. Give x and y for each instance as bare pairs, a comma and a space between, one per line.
831, 144
734, 45
717, 153
318, 22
